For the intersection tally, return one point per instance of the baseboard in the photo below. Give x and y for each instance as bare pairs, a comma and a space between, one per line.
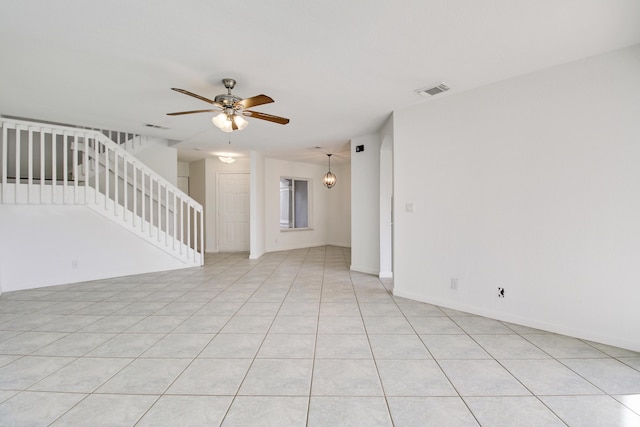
363, 269
531, 323
386, 275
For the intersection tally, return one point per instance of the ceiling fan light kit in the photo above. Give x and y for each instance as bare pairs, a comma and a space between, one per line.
229, 122
231, 108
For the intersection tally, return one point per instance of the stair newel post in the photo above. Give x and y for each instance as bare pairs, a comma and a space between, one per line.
96, 172
159, 203
85, 167
193, 230
125, 188
166, 215
201, 236
175, 221
106, 176
65, 166
188, 228
43, 140
54, 165
151, 222
29, 164
181, 223
116, 183
134, 181
5, 163
18, 134
74, 168
144, 199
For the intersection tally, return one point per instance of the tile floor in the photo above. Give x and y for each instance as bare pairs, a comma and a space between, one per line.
292, 339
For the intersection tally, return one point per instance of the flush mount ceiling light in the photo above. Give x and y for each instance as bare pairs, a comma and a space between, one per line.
329, 179
232, 108
226, 159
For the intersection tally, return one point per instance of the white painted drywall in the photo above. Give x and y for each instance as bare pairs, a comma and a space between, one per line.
339, 205
198, 191
160, 157
44, 245
276, 239
365, 205
183, 169
386, 196
533, 185
256, 206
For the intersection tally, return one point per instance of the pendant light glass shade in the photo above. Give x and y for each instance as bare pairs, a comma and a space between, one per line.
222, 122
225, 122
329, 179
241, 123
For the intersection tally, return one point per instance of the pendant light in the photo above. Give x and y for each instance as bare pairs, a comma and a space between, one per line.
329, 179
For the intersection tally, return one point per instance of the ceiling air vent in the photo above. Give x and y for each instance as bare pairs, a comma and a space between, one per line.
149, 125
432, 89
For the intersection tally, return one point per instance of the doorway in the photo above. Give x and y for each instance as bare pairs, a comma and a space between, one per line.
233, 212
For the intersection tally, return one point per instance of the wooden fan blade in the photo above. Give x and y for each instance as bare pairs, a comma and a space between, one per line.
201, 98
190, 112
264, 116
254, 100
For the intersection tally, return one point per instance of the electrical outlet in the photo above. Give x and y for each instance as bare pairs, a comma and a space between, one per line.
454, 283
500, 292
74, 264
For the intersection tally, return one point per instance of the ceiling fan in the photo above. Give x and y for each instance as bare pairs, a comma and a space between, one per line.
232, 108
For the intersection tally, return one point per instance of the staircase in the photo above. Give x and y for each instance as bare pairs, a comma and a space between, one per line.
43, 164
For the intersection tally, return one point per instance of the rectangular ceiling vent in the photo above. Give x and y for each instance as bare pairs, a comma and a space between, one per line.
432, 89
149, 125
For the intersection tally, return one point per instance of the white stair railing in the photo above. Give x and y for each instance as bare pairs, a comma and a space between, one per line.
50, 164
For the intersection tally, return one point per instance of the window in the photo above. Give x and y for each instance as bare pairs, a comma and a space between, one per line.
294, 203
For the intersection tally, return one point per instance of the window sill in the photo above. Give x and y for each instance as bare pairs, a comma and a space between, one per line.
287, 230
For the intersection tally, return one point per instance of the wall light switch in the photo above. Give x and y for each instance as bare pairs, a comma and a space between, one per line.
410, 207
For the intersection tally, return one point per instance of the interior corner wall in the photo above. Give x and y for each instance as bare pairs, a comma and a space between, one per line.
316, 235
531, 185
365, 204
256, 206
386, 200
198, 191
162, 158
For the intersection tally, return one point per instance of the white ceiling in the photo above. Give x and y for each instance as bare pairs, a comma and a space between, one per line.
336, 68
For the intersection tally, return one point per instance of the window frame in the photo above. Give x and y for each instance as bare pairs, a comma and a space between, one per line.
292, 204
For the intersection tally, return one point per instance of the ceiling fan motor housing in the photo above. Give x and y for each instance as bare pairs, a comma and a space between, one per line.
227, 100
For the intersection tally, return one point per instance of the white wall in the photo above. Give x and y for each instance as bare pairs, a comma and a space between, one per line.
161, 158
44, 245
256, 206
183, 169
365, 205
198, 191
531, 184
386, 196
339, 205
318, 235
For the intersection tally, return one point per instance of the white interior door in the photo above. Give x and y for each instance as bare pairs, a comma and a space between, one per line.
233, 212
